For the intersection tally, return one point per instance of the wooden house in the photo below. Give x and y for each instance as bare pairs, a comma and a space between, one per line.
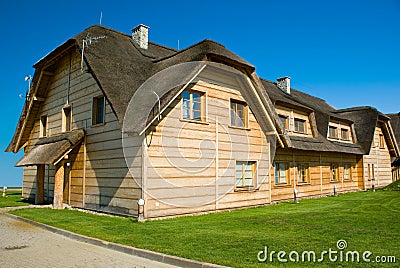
111, 119
395, 122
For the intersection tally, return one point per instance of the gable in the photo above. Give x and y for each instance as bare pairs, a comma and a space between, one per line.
173, 80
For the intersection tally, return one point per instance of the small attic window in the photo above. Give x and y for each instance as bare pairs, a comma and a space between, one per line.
43, 126
98, 110
381, 141
66, 119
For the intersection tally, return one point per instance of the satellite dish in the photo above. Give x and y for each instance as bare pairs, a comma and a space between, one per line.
28, 78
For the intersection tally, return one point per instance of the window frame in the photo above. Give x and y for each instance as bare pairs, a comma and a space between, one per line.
203, 106
303, 121
344, 130
334, 176
336, 133
66, 121
277, 179
307, 175
245, 114
350, 174
44, 124
243, 178
95, 121
381, 141
286, 123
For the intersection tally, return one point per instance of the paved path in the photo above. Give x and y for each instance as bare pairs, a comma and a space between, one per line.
25, 245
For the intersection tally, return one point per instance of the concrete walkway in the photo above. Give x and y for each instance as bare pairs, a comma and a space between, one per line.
25, 245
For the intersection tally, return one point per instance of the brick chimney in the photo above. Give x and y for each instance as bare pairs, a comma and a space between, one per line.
284, 84
140, 35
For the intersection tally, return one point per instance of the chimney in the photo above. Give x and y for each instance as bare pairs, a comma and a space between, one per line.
284, 84
140, 35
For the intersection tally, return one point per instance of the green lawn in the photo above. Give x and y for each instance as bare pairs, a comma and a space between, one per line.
13, 199
366, 220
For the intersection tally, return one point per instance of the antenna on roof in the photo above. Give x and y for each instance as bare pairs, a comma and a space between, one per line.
86, 43
27, 78
101, 16
178, 44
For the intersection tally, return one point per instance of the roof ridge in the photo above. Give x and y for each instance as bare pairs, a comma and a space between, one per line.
187, 48
302, 92
357, 108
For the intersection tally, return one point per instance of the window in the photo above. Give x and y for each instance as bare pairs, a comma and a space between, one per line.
281, 173
334, 172
98, 110
369, 171
333, 133
238, 114
344, 134
43, 126
300, 125
245, 173
347, 172
192, 105
66, 119
302, 173
373, 172
381, 141
284, 121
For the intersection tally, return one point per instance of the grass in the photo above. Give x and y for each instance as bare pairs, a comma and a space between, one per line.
395, 186
366, 220
13, 199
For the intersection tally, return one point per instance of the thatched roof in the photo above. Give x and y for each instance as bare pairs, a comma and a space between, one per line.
48, 151
395, 122
120, 67
364, 120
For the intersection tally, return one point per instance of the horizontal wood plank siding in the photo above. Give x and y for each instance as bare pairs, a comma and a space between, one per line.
109, 184
181, 163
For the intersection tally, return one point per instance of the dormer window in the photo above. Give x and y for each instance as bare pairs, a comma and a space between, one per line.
340, 131
300, 125
333, 133
284, 121
344, 134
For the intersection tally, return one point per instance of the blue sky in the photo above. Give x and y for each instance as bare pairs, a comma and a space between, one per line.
346, 52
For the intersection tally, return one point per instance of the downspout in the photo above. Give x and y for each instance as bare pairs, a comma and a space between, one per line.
84, 170
269, 171
69, 78
320, 172
216, 162
144, 175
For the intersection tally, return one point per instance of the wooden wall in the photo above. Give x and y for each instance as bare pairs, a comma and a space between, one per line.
380, 159
190, 165
100, 179
319, 173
